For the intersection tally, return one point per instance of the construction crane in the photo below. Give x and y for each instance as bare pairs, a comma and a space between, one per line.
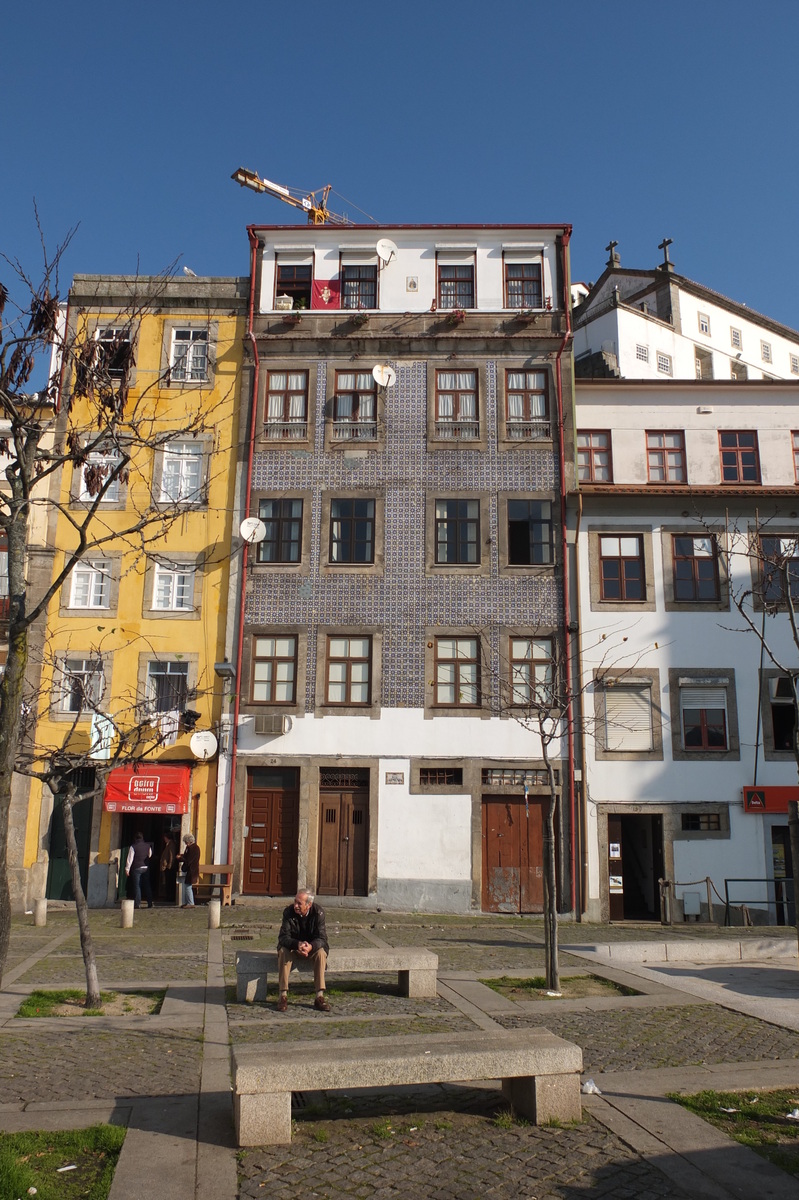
314, 204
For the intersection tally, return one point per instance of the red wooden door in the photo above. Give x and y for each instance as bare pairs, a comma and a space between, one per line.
271, 844
513, 870
343, 841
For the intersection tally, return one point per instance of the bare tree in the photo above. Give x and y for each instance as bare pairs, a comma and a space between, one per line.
84, 420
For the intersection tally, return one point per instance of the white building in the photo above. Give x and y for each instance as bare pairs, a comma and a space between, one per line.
412, 410
656, 324
689, 496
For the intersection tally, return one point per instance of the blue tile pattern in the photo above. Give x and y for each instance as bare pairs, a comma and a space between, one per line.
402, 601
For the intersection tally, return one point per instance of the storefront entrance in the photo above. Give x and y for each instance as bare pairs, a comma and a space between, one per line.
155, 828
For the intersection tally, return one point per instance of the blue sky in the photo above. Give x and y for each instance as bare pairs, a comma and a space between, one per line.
630, 119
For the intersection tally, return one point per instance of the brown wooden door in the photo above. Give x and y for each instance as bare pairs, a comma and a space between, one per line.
343, 842
271, 844
513, 871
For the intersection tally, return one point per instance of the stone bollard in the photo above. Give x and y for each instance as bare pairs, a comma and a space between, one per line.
214, 914
40, 912
127, 914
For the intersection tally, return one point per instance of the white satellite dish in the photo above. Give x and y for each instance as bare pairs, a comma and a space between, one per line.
384, 375
386, 250
203, 744
252, 529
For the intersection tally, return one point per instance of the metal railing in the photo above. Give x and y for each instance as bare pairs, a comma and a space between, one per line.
783, 902
458, 430
354, 431
278, 430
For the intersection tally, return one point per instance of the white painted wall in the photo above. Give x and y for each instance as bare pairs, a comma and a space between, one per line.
421, 837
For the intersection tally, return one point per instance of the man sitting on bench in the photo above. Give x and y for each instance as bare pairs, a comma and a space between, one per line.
302, 936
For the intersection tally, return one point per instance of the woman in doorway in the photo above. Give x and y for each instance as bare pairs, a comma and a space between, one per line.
191, 866
167, 867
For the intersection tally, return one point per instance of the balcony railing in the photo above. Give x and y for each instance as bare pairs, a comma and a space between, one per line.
528, 431
355, 431
279, 430
458, 430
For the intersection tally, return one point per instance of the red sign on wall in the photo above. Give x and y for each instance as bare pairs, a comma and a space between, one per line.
148, 788
769, 799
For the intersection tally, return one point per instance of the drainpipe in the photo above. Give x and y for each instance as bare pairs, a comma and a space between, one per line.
564, 245
254, 243
584, 784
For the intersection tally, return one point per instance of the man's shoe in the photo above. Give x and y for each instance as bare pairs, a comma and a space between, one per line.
282, 1004
321, 1004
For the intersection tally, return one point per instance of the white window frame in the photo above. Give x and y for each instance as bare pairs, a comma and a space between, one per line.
173, 582
795, 364
765, 352
181, 670
182, 473
75, 668
703, 321
642, 353
91, 578
664, 363
113, 336
105, 459
736, 338
183, 367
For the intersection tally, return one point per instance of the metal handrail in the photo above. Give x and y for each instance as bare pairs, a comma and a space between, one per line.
743, 902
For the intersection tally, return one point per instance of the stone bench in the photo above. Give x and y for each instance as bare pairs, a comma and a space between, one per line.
417, 969
540, 1073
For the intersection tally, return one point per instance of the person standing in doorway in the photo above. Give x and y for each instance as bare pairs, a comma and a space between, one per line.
167, 867
138, 869
191, 867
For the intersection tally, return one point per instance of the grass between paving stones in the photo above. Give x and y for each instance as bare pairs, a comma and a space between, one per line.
572, 987
31, 1160
759, 1121
69, 1002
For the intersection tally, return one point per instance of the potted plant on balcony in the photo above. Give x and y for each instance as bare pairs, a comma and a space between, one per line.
359, 319
456, 316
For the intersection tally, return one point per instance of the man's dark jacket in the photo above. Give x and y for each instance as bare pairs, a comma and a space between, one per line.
310, 928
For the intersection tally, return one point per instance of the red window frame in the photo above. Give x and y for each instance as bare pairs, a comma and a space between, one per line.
459, 291
625, 579
286, 426
739, 456
659, 457
528, 283
592, 450
702, 570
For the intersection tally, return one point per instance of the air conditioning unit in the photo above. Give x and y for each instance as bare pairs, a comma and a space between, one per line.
272, 723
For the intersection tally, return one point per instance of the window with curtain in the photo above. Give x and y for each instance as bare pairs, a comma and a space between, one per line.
355, 406
286, 405
456, 405
527, 415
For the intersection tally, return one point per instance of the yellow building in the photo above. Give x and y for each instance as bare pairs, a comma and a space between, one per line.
136, 628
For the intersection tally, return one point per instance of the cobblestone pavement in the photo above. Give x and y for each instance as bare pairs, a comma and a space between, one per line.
321, 1028
62, 968
48, 1064
451, 1156
628, 1039
372, 997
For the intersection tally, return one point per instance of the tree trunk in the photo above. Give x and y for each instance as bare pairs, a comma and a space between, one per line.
86, 943
10, 708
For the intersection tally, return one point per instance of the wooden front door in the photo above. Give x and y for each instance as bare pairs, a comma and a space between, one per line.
272, 838
513, 870
344, 835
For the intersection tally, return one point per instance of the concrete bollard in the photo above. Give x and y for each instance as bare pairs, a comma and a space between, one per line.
40, 912
127, 914
214, 914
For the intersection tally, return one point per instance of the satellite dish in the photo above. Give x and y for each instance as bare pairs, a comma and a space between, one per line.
386, 250
252, 529
203, 744
384, 375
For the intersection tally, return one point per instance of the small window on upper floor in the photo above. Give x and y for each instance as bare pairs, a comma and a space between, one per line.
115, 351
696, 569
457, 532
740, 461
294, 279
173, 587
523, 285
594, 462
358, 287
527, 418
622, 571
703, 361
456, 405
778, 570
782, 705
355, 407
91, 584
274, 669
795, 364
795, 446
664, 364
642, 353
703, 718
736, 338
182, 470
765, 351
352, 530
282, 542
93, 477
529, 532
455, 285
189, 357
349, 670
665, 454
457, 672
704, 322
286, 416
81, 684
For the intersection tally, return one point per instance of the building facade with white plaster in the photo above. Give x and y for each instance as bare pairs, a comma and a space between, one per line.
689, 507
410, 422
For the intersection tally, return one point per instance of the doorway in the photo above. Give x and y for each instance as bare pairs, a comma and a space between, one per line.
59, 878
782, 862
271, 836
513, 854
154, 827
635, 864
343, 832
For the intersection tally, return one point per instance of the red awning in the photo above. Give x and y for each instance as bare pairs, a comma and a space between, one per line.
148, 788
769, 799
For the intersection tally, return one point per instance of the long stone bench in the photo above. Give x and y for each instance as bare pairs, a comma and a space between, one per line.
417, 969
540, 1073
